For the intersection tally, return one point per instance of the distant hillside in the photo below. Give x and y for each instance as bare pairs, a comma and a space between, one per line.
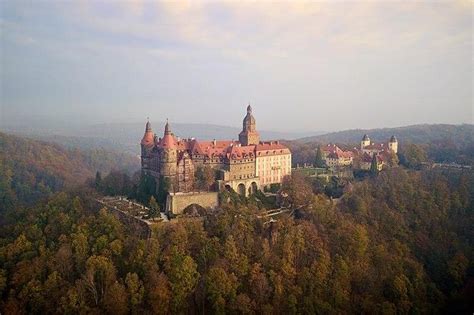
126, 136
31, 169
415, 134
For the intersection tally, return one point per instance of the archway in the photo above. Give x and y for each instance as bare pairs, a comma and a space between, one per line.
195, 210
241, 189
253, 187
228, 188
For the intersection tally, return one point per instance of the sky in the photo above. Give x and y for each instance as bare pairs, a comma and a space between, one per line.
303, 66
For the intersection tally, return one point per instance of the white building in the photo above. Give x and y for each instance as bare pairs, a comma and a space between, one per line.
273, 162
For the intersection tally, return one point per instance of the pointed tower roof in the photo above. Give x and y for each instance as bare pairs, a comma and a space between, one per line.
148, 125
148, 137
168, 140
366, 138
167, 128
249, 109
393, 139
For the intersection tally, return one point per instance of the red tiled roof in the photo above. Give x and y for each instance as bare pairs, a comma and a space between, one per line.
334, 152
210, 149
223, 148
271, 148
147, 139
238, 152
168, 141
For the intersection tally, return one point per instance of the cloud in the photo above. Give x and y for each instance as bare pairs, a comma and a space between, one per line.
300, 52
264, 28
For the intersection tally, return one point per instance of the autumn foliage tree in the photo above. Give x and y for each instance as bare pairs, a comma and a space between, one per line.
399, 242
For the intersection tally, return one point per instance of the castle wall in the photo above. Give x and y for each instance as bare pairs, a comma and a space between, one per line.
242, 169
177, 202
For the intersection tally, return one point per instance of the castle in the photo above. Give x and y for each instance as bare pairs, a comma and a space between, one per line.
381, 151
336, 157
244, 166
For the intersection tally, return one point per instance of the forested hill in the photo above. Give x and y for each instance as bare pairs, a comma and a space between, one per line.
31, 169
414, 134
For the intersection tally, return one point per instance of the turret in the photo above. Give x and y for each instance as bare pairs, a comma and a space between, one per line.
148, 137
364, 142
169, 154
147, 144
393, 144
249, 134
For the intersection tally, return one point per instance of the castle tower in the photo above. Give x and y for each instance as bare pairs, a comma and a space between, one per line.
168, 153
364, 142
147, 144
249, 134
393, 144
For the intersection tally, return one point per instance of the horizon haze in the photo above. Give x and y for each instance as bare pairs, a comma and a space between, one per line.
304, 67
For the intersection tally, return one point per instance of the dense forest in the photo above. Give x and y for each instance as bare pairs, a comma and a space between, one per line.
31, 169
400, 242
419, 134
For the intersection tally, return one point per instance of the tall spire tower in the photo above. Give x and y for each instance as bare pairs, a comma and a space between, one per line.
249, 134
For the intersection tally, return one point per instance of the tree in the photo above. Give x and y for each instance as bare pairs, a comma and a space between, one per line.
183, 276
164, 186
146, 188
393, 159
205, 177
154, 208
98, 180
159, 293
259, 286
135, 290
298, 190
319, 161
99, 277
221, 287
413, 156
457, 267
374, 165
115, 299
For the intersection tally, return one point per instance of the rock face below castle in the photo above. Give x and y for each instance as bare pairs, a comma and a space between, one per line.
245, 165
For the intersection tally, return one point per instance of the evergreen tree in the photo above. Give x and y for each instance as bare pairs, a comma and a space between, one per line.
319, 161
163, 189
154, 208
374, 169
146, 188
98, 180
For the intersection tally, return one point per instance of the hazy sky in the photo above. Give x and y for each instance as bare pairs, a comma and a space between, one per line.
302, 65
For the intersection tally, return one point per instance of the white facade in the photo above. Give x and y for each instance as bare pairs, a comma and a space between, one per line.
341, 161
272, 168
393, 146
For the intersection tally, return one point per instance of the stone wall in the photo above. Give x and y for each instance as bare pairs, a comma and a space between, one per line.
177, 202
